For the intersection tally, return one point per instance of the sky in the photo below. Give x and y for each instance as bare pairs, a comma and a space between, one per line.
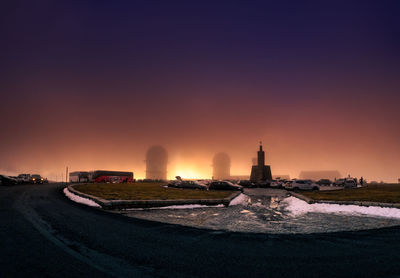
94, 84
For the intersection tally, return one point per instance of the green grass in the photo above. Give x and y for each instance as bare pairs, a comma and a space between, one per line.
384, 193
146, 191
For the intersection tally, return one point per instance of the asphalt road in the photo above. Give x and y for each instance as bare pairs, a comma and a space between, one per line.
43, 234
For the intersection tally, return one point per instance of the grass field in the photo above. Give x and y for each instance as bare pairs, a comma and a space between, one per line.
383, 193
146, 191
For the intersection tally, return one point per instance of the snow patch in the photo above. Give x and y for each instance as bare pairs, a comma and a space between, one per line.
80, 199
297, 207
241, 199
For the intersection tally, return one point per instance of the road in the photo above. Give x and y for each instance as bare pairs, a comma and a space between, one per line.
43, 234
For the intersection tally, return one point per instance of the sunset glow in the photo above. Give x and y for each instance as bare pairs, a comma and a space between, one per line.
321, 93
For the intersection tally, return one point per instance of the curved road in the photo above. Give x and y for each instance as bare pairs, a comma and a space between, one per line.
43, 234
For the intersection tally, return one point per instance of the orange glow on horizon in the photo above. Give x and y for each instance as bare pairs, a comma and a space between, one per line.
188, 172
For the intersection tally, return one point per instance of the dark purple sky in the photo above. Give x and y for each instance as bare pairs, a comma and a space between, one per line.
92, 84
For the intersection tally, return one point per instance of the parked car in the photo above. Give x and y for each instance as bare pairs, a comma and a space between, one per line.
187, 184
204, 182
173, 184
325, 182
24, 178
6, 180
302, 185
339, 182
224, 185
350, 183
192, 185
263, 184
37, 179
246, 183
288, 184
277, 183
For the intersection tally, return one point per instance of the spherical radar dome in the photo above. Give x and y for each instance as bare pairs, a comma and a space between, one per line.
221, 166
222, 159
156, 163
157, 153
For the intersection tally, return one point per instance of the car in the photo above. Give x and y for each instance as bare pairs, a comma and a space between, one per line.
278, 183
288, 184
173, 184
204, 182
6, 180
325, 182
24, 178
224, 185
187, 184
37, 179
191, 185
350, 183
339, 182
246, 183
263, 184
302, 185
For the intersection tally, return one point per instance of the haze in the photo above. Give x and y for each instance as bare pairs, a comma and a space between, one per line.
93, 85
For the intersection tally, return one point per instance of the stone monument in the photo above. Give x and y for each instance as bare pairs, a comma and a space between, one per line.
260, 172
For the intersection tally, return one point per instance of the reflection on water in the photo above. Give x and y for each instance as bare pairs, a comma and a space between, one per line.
263, 213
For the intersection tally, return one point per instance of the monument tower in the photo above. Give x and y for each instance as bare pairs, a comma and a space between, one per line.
260, 172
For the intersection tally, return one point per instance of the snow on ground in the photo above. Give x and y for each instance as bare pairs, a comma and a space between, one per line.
80, 199
241, 199
297, 207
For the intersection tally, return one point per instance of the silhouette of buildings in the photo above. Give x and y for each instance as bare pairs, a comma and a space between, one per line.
260, 172
221, 166
156, 163
317, 175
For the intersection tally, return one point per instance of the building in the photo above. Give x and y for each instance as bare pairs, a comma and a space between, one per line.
156, 163
221, 166
79, 176
260, 172
101, 176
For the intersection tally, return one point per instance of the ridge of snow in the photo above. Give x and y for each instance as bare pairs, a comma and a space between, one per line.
241, 199
297, 207
79, 199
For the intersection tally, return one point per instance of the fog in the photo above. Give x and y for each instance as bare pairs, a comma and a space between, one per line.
93, 86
